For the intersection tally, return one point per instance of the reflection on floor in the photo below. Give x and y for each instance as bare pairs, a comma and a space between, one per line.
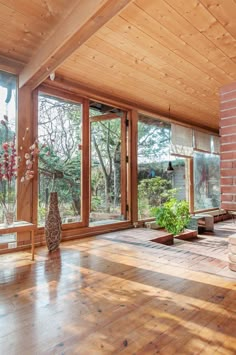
120, 293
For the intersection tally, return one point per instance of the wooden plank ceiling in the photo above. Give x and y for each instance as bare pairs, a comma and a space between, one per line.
24, 25
167, 56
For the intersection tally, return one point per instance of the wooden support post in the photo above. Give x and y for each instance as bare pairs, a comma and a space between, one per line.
85, 186
35, 181
191, 184
123, 167
24, 140
133, 167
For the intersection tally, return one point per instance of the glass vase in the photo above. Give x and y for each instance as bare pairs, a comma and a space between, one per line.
9, 218
9, 214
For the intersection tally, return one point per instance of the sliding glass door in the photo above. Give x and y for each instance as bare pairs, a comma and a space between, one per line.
108, 197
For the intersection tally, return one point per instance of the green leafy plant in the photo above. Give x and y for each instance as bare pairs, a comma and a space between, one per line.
156, 190
173, 215
152, 192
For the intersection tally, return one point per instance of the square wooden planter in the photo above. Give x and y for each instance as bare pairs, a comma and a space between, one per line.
164, 237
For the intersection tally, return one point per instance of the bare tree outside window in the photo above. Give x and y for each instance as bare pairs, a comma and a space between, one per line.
59, 136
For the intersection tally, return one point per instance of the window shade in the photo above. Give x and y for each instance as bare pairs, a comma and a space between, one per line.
181, 141
202, 142
216, 145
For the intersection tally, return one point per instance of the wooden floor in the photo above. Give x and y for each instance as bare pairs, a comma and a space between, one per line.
120, 293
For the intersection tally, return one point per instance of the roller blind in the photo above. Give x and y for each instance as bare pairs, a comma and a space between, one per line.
181, 141
216, 145
202, 142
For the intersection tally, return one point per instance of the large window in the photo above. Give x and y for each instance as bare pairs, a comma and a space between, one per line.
206, 181
59, 166
160, 175
7, 142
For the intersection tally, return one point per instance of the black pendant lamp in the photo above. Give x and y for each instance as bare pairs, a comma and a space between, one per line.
170, 168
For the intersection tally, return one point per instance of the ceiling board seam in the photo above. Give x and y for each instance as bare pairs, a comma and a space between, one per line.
94, 94
154, 39
165, 98
181, 72
225, 54
168, 86
197, 30
212, 14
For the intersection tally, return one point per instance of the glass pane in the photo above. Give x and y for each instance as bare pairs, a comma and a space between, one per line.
157, 182
106, 169
206, 181
59, 135
8, 161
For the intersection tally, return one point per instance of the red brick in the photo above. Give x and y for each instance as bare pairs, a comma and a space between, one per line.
228, 113
226, 164
228, 147
226, 88
226, 181
228, 96
228, 172
228, 121
167, 239
227, 130
228, 206
227, 155
227, 197
187, 234
228, 104
228, 139
228, 189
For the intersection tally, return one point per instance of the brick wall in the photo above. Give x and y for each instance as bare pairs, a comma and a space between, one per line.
228, 146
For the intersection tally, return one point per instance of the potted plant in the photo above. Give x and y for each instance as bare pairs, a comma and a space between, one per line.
173, 215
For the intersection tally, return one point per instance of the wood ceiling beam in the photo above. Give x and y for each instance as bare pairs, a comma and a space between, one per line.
86, 18
10, 65
93, 93
105, 117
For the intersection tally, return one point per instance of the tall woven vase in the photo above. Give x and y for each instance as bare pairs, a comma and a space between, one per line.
53, 223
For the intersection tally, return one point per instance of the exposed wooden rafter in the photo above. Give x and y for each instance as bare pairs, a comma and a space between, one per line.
10, 65
86, 17
91, 92
108, 116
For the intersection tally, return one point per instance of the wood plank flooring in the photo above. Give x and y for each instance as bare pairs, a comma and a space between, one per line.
120, 293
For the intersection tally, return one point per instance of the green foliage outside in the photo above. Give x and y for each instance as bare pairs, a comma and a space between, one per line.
153, 192
173, 215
